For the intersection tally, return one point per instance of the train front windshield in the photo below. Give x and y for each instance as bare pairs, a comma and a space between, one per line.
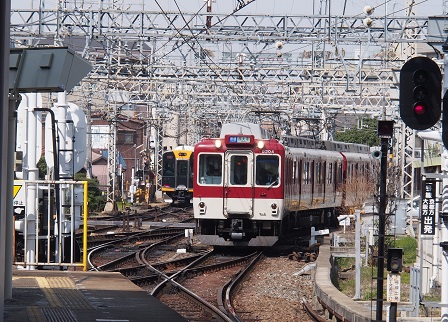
210, 169
168, 164
267, 167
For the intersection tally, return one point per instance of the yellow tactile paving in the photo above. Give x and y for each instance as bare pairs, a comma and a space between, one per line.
61, 282
62, 292
35, 314
49, 292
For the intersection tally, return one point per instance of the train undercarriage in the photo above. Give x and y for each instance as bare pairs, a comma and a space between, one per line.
247, 232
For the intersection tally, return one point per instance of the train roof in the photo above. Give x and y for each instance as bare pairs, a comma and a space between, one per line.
184, 147
314, 153
346, 147
307, 143
299, 142
244, 128
356, 156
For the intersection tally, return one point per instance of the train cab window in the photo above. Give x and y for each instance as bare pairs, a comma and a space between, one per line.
267, 167
168, 164
210, 169
238, 170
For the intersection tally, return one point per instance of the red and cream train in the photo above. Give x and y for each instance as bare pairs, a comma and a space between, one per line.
250, 189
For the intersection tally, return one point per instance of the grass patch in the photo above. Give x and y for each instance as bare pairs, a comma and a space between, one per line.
347, 277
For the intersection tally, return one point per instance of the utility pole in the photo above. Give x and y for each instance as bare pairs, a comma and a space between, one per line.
112, 160
381, 230
7, 118
208, 21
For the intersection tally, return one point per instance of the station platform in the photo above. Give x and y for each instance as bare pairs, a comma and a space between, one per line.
70, 296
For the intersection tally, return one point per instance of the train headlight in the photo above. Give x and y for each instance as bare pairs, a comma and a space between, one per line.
201, 208
260, 145
274, 208
218, 144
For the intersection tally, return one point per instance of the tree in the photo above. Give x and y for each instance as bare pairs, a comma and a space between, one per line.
367, 134
96, 199
42, 166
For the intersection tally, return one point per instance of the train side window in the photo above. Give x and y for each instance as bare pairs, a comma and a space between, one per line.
210, 169
330, 173
318, 172
306, 172
294, 171
267, 170
339, 173
324, 173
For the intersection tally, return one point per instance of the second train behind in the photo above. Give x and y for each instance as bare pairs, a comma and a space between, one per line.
177, 175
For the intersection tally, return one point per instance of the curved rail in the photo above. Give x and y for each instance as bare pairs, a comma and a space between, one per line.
149, 235
226, 292
313, 314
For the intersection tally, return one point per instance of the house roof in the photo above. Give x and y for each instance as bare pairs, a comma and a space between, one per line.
104, 155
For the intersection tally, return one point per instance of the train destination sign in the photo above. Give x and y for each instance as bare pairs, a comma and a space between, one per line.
428, 209
239, 139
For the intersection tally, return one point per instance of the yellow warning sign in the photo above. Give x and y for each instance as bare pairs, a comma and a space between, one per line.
16, 189
19, 193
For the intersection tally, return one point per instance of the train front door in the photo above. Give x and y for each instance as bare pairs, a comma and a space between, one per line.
238, 184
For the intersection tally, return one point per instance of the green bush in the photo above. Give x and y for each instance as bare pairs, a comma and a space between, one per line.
96, 199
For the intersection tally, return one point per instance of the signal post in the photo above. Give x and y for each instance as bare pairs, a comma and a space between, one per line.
420, 109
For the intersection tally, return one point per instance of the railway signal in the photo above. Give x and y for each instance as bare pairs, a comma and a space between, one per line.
420, 93
395, 260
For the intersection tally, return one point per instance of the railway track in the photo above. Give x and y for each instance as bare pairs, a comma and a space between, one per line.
205, 285
117, 253
188, 285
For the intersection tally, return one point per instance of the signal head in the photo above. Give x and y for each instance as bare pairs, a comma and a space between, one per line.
395, 260
420, 93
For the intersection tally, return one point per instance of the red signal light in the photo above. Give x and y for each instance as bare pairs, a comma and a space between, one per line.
420, 109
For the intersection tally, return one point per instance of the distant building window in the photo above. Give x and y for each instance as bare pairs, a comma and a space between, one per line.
100, 136
126, 138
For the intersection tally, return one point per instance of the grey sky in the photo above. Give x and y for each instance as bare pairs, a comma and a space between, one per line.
295, 7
